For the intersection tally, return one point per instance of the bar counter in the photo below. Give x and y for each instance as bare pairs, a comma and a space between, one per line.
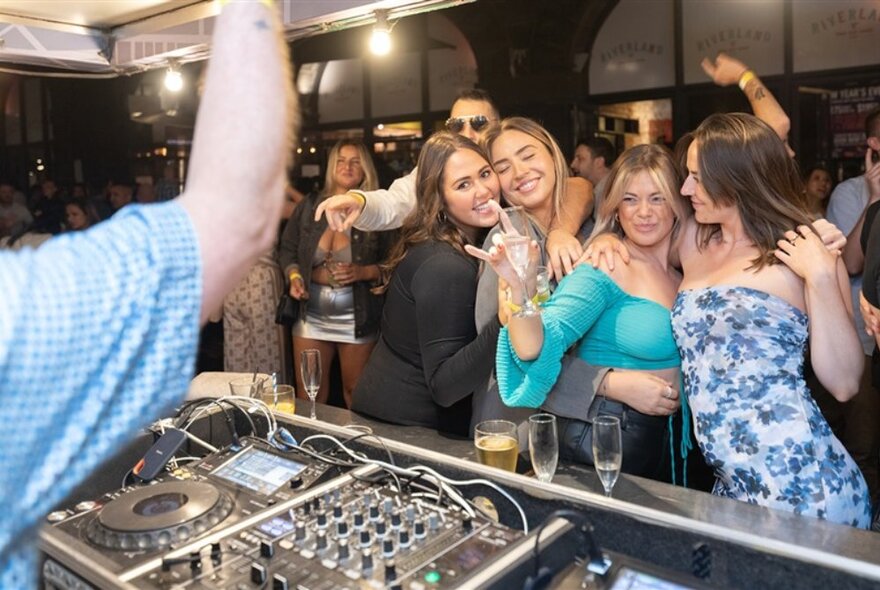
751, 546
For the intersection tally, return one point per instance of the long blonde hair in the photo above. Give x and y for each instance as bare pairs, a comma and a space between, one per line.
371, 179
429, 221
660, 165
535, 130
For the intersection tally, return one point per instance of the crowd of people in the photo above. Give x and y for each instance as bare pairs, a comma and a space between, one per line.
698, 294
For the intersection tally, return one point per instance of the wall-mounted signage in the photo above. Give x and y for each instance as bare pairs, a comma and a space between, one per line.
830, 34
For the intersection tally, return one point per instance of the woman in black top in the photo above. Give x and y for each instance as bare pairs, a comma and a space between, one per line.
429, 359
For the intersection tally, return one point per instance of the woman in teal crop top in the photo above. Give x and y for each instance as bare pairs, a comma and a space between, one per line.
618, 318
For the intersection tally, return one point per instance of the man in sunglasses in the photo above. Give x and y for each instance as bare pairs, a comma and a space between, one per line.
471, 115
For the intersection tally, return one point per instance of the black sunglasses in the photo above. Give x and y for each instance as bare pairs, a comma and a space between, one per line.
477, 123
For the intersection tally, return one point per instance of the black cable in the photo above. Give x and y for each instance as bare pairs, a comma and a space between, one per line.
586, 529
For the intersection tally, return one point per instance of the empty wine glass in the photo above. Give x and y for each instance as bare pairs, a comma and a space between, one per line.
543, 445
607, 450
310, 372
517, 241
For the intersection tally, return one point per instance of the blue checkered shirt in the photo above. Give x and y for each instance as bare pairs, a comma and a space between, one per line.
98, 335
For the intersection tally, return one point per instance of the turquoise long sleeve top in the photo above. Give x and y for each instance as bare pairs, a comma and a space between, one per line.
608, 326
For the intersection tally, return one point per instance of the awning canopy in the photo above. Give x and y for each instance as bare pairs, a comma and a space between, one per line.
128, 36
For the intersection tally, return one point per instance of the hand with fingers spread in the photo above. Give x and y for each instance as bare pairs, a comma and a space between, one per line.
804, 253
607, 246
341, 210
564, 251
644, 392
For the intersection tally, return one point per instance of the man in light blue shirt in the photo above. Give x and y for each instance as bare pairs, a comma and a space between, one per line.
98, 329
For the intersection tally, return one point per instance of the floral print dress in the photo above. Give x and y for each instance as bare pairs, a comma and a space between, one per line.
742, 353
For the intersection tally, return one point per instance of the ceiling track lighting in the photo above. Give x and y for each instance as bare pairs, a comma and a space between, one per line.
380, 40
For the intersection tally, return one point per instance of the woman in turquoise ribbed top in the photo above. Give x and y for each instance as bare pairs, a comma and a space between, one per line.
618, 318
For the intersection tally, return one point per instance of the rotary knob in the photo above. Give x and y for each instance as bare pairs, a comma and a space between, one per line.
337, 511
341, 529
321, 541
374, 513
390, 571
343, 550
388, 548
358, 520
322, 519
365, 539
404, 538
419, 532
395, 518
380, 528
433, 521
410, 513
387, 505
299, 531
267, 549
366, 560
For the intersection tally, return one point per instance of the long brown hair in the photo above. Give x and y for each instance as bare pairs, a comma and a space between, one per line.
743, 163
429, 221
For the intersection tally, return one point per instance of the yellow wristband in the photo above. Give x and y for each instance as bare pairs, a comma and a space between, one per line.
294, 275
513, 307
747, 77
359, 197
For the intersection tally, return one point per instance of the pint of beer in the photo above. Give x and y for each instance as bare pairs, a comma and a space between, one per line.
496, 444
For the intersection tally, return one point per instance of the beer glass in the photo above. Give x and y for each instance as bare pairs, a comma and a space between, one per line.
496, 444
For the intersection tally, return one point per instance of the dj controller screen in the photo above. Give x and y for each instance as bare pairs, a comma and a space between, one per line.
258, 470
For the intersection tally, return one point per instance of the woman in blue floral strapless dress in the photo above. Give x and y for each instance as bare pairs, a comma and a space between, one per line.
749, 303
756, 423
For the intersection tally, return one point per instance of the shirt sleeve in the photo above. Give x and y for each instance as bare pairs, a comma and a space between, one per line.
387, 209
455, 359
577, 303
98, 336
846, 204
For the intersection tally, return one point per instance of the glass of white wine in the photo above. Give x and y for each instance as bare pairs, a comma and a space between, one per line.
310, 373
496, 444
543, 445
607, 450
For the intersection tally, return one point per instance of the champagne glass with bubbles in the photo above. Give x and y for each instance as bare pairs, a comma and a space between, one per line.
517, 244
310, 372
607, 450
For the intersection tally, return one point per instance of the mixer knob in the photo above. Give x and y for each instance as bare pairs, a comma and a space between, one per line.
388, 548
337, 511
395, 518
321, 542
195, 561
433, 521
358, 520
374, 513
390, 571
258, 573
279, 582
322, 519
267, 549
306, 509
380, 528
216, 553
341, 529
368, 499
365, 540
410, 513
300, 531
387, 505
404, 538
420, 529
366, 560
467, 524
343, 550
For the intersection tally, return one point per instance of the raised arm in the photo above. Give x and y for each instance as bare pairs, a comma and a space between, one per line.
563, 248
726, 71
245, 127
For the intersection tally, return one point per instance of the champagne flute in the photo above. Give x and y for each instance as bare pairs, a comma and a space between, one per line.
517, 242
310, 372
543, 445
607, 450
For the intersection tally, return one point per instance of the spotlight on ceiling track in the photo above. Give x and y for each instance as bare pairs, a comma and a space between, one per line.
380, 40
173, 78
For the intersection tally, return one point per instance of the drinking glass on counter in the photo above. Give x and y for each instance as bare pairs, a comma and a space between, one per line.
310, 373
280, 399
607, 450
496, 444
543, 445
246, 387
